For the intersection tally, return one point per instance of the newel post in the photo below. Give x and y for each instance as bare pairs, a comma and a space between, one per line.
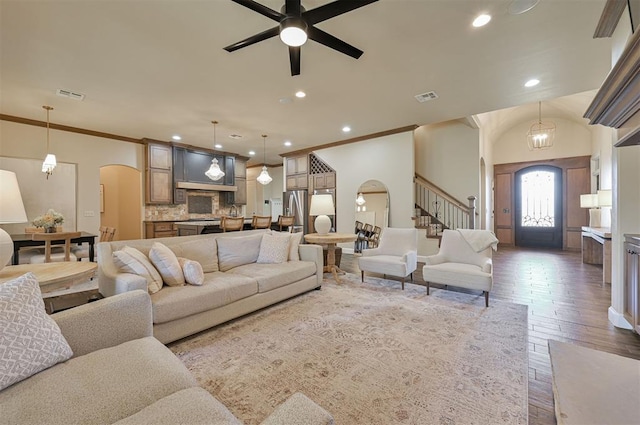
472, 211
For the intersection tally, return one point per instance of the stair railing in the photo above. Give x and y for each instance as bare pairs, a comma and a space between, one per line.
437, 210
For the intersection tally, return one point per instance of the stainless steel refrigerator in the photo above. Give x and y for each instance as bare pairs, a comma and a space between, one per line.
296, 203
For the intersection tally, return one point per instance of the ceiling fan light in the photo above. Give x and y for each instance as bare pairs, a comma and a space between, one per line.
214, 172
264, 178
293, 32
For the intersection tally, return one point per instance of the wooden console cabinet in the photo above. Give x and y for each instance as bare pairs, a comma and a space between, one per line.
632, 281
160, 229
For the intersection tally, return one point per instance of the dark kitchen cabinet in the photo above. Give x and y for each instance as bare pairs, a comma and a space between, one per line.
229, 177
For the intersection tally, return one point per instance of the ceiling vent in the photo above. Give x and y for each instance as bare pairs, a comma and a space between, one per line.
235, 136
425, 97
70, 94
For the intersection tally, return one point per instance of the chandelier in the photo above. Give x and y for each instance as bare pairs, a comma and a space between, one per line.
541, 134
50, 160
264, 178
214, 172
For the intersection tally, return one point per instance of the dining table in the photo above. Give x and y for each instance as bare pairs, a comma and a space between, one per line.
23, 240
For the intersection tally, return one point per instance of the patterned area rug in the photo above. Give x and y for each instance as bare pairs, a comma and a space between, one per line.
371, 354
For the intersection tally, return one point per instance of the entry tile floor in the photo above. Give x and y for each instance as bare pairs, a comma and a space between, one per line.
567, 302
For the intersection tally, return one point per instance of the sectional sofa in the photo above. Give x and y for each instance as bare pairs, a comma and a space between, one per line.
235, 281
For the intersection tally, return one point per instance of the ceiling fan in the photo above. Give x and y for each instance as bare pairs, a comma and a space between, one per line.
297, 24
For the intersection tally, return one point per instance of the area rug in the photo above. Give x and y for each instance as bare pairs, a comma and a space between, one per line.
371, 354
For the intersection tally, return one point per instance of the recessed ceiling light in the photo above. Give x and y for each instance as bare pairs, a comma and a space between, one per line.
176, 137
531, 83
346, 129
218, 146
481, 20
252, 153
300, 94
287, 143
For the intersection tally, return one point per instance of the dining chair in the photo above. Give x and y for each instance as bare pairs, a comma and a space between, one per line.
286, 221
261, 222
231, 224
82, 251
48, 256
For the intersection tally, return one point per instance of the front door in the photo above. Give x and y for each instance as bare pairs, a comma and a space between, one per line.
538, 207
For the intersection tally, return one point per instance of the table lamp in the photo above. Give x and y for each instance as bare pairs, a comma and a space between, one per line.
590, 201
11, 211
322, 207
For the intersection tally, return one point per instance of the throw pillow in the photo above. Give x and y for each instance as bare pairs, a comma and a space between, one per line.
130, 260
30, 340
274, 248
192, 271
202, 250
167, 264
238, 250
294, 244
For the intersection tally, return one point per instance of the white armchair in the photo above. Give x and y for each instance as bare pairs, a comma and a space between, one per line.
396, 255
458, 264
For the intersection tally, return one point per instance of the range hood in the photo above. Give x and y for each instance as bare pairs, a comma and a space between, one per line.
206, 186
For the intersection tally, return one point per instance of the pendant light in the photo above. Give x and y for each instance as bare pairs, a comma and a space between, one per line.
50, 160
214, 172
264, 177
541, 135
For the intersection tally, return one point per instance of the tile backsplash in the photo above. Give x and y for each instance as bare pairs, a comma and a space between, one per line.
181, 212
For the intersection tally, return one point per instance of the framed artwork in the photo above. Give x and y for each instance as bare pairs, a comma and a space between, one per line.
101, 198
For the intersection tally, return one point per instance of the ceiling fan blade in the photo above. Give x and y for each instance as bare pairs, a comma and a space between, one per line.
263, 10
292, 7
332, 42
253, 39
332, 9
294, 59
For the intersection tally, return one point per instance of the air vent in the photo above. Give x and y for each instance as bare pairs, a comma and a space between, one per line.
425, 97
235, 136
70, 94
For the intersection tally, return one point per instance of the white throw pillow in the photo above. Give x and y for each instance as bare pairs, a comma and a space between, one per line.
166, 262
294, 244
30, 340
274, 248
130, 260
237, 251
192, 271
202, 250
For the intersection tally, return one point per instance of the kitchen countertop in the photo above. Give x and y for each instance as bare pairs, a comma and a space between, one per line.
208, 222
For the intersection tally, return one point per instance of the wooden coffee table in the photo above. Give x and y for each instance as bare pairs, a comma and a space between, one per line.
53, 276
331, 239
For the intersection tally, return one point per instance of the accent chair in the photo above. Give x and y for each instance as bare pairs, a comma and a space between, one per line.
396, 254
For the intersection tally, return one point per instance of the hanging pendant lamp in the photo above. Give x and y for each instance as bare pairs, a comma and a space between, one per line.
264, 178
214, 172
541, 134
50, 160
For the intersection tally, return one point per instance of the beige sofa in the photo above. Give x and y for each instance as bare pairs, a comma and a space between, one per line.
180, 311
120, 374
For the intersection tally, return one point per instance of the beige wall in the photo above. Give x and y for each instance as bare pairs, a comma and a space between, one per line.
88, 152
122, 196
376, 203
257, 193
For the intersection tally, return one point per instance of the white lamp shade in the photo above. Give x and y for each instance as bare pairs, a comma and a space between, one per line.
605, 198
264, 177
49, 163
214, 172
322, 205
11, 206
589, 200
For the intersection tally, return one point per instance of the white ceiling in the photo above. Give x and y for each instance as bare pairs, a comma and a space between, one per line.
157, 68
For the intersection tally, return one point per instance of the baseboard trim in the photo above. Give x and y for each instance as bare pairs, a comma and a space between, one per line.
618, 319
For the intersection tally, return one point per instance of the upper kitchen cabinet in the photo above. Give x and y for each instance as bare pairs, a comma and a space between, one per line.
297, 172
159, 176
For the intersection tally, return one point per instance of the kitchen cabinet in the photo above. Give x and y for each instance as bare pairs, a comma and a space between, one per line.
632, 281
160, 229
323, 180
229, 166
159, 174
297, 182
240, 170
297, 165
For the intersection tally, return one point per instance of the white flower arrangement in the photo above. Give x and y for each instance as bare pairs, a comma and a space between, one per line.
49, 220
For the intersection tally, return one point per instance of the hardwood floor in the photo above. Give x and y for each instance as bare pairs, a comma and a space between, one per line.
567, 302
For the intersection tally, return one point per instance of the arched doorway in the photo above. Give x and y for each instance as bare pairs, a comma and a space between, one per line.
538, 207
121, 201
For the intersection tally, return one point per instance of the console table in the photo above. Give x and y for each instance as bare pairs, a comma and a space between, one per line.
596, 249
331, 239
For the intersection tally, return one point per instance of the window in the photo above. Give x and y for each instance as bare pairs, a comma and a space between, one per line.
537, 198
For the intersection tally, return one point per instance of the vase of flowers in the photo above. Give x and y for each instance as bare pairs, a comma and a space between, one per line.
49, 221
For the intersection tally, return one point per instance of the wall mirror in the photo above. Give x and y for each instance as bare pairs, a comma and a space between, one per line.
372, 204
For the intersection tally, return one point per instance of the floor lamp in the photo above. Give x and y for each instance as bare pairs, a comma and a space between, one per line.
11, 211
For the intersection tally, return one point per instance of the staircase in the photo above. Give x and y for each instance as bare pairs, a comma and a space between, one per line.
436, 210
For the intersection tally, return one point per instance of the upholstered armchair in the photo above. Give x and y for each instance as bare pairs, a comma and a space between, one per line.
396, 255
458, 264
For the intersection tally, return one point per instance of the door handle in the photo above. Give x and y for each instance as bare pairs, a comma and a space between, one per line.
506, 210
